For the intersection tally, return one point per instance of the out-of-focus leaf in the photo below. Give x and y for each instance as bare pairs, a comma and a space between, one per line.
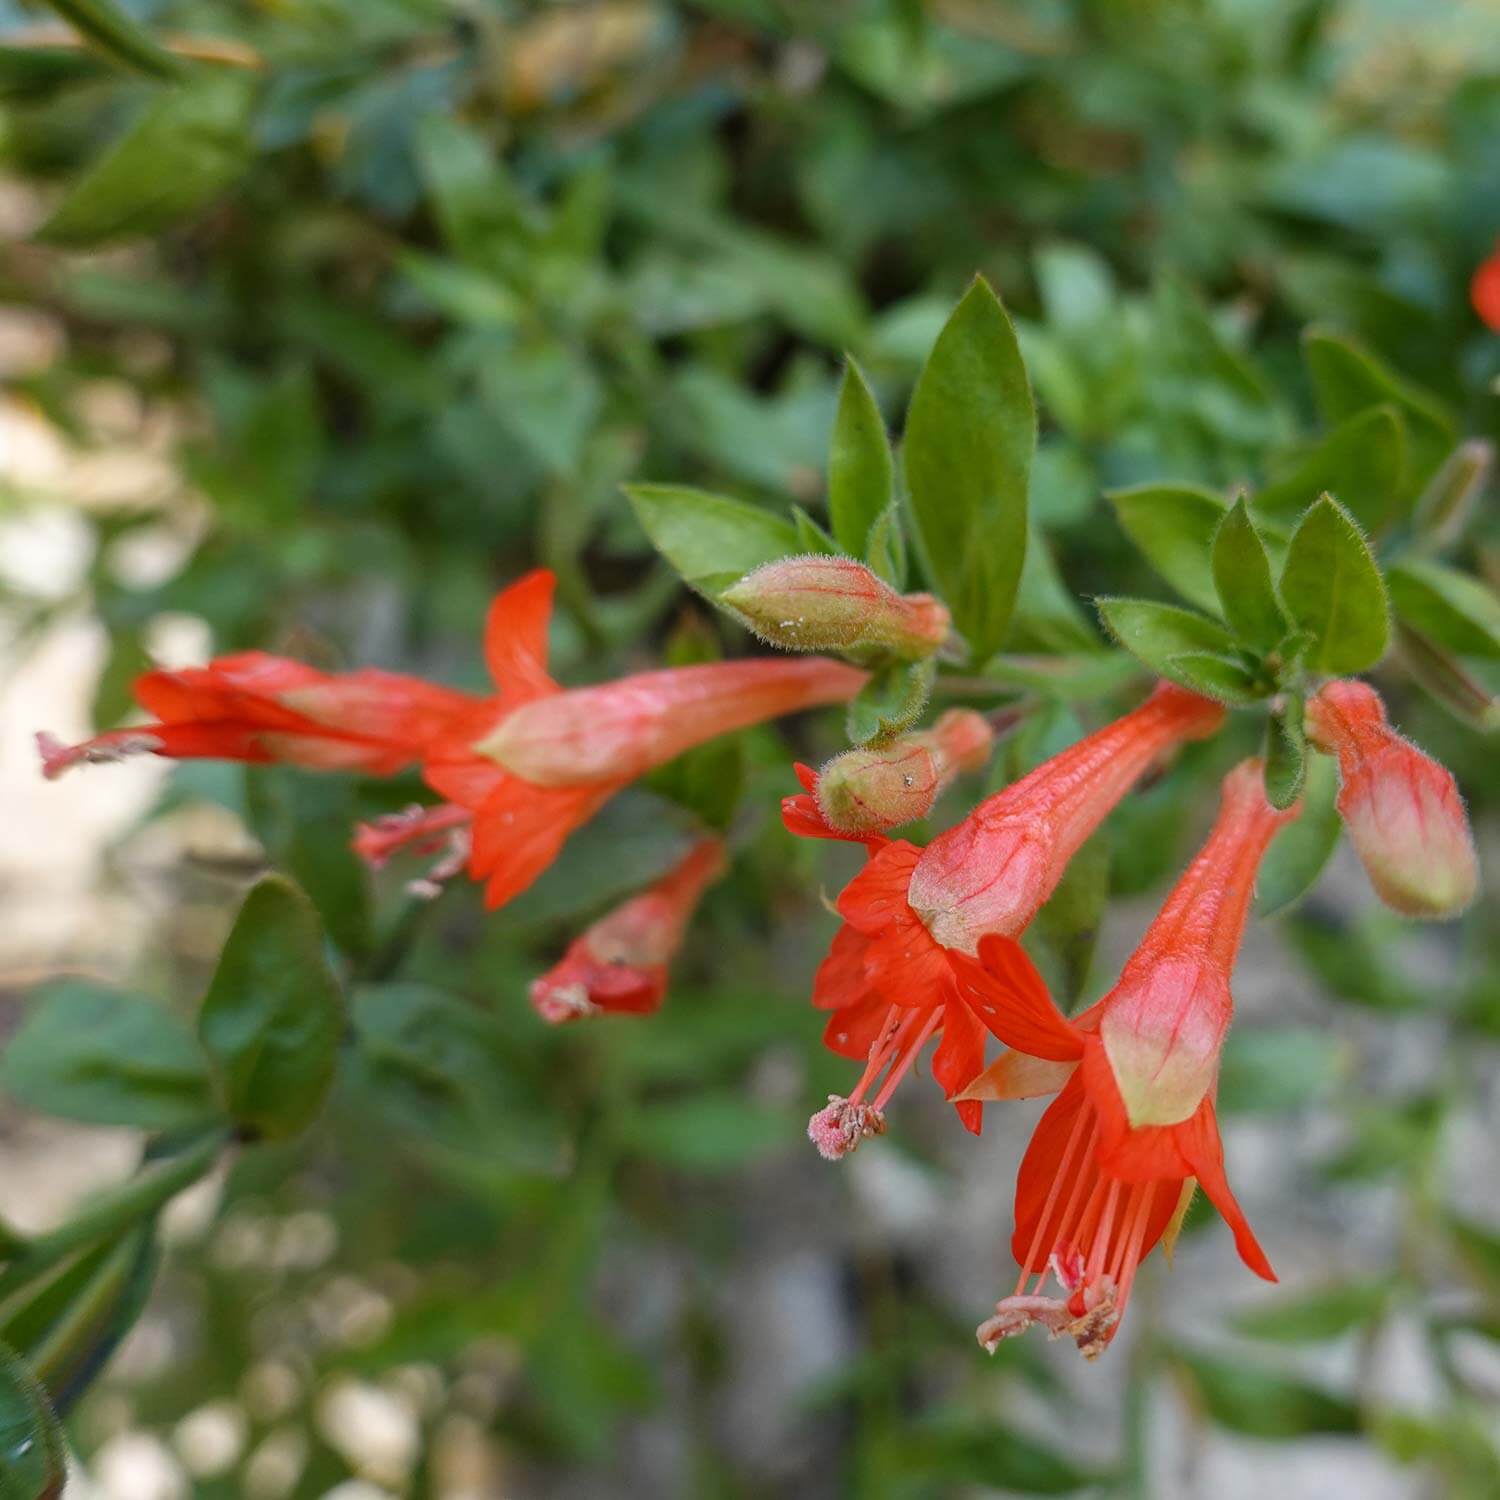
33, 1457
1323, 1313
444, 1074
1451, 608
810, 536
1242, 580
1445, 679
273, 1015
1479, 1245
1460, 1446
1068, 925
1188, 648
1048, 616
706, 1131
1260, 1402
1174, 526
994, 1457
1349, 380
546, 395
1301, 849
67, 1328
1332, 589
712, 541
127, 659
970, 433
861, 473
1272, 1069
1362, 463
1446, 504
190, 143
88, 1052
118, 36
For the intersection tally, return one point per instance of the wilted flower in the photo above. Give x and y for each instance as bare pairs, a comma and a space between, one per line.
1403, 811
554, 757
867, 790
820, 603
255, 707
889, 979
1134, 1123
619, 964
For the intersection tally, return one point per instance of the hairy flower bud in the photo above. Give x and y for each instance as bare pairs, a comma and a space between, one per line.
1405, 817
819, 603
866, 791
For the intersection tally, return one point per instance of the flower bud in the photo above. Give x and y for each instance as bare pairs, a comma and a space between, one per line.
819, 603
1403, 811
866, 791
1484, 290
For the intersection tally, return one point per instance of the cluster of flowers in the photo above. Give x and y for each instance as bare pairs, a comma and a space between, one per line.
929, 949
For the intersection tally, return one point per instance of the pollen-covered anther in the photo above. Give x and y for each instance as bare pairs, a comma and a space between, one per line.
58, 757
430, 886
557, 1004
1087, 1316
839, 1128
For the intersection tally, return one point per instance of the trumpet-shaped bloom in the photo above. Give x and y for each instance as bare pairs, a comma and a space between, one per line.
1133, 1124
619, 965
1403, 811
1484, 290
551, 758
866, 791
889, 980
255, 707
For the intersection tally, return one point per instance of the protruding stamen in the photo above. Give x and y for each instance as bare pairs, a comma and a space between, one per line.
839, 1128
108, 748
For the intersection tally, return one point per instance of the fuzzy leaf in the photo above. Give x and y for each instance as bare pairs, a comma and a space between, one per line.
1242, 580
1331, 588
861, 472
1301, 849
712, 541
1174, 526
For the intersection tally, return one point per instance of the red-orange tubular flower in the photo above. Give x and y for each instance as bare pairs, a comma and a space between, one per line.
1115, 1154
1484, 290
865, 791
552, 758
255, 707
889, 978
618, 966
1403, 811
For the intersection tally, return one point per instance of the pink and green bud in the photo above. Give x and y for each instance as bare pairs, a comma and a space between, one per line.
818, 603
866, 790
1403, 811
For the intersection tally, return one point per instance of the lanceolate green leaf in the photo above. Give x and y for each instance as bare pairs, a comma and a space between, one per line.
1332, 589
1188, 648
1242, 578
1362, 463
1456, 611
1286, 754
861, 472
188, 146
967, 451
1301, 848
1261, 1402
115, 33
712, 541
1174, 526
273, 1015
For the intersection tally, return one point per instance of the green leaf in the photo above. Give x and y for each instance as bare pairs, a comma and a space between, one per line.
1440, 674
1242, 580
1446, 504
993, 1457
890, 702
1174, 526
1187, 648
1301, 849
712, 541
191, 142
810, 536
705, 1131
1331, 588
1048, 617
1323, 1313
446, 1076
970, 433
861, 473
88, 1052
1449, 607
1067, 927
1349, 380
886, 553
33, 1457
1362, 462
114, 33
66, 1328
1260, 1402
272, 1017
1286, 754
1273, 1069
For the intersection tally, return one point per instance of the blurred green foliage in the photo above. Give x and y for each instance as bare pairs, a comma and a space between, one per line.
402, 292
